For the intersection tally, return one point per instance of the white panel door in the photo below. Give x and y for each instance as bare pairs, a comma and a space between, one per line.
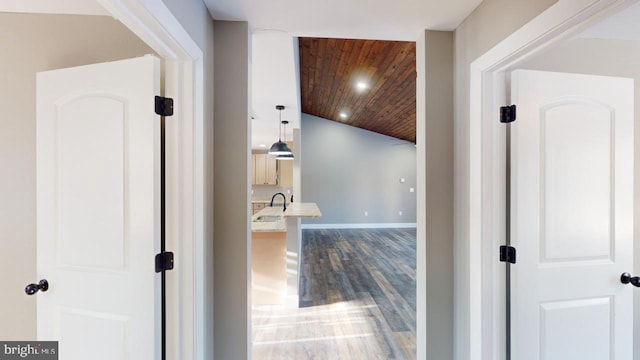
98, 180
572, 213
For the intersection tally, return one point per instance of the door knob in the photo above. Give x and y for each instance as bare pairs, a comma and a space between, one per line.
626, 278
43, 286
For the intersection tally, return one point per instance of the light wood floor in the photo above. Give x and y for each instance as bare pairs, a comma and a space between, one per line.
357, 300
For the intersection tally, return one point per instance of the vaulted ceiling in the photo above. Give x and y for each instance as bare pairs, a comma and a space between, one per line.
370, 84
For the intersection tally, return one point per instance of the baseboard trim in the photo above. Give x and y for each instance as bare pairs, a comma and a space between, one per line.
360, 226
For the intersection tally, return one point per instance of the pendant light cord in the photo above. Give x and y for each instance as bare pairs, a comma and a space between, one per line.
284, 128
280, 126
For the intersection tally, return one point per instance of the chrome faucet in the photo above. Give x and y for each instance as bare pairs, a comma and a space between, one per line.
284, 200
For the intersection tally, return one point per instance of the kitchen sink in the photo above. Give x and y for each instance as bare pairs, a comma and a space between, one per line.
268, 218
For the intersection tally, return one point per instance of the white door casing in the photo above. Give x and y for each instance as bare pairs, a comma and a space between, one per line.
572, 216
98, 192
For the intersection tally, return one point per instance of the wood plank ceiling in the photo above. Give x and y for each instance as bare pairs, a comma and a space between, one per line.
370, 84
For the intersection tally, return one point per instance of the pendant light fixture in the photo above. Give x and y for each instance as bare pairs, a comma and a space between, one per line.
285, 156
280, 148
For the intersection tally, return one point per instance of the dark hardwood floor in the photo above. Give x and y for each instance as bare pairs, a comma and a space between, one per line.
357, 299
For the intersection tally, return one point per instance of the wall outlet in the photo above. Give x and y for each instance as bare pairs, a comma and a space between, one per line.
402, 180
366, 213
288, 191
412, 190
400, 213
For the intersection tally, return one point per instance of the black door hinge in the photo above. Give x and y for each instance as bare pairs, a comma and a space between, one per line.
164, 261
507, 114
164, 106
508, 254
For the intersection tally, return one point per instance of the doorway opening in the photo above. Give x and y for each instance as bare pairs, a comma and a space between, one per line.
364, 185
570, 49
183, 64
42, 42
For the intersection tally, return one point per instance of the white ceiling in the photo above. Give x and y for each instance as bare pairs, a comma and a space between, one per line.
624, 25
274, 81
76, 7
361, 19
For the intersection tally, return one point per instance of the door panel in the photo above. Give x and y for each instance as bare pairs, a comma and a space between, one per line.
99, 165
572, 181
559, 331
98, 183
108, 333
577, 213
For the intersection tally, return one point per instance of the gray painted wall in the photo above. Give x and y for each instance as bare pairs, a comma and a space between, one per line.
347, 171
232, 183
37, 43
438, 164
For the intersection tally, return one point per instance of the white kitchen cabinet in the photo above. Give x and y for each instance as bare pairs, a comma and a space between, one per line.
265, 169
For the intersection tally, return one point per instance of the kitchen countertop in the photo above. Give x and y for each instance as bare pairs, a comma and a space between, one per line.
268, 226
302, 209
296, 209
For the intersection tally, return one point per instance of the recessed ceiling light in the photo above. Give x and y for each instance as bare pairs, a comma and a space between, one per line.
361, 85
343, 115
263, 145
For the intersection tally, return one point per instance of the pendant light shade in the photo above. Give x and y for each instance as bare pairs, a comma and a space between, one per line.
280, 148
285, 157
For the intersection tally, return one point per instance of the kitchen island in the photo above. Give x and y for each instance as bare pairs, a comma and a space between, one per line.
276, 241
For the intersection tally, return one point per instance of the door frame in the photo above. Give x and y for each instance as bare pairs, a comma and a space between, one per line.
480, 275
183, 72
